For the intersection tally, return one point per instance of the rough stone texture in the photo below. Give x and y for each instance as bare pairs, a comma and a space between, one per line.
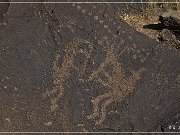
79, 67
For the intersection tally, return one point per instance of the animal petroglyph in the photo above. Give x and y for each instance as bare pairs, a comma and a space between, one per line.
118, 84
62, 72
115, 80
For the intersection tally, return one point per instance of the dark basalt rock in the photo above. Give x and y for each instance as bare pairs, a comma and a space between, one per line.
3, 9
170, 23
166, 24
56, 59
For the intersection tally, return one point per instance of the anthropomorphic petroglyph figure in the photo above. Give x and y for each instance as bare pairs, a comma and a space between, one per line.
62, 72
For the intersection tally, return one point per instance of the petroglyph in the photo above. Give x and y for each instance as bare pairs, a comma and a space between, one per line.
119, 85
62, 72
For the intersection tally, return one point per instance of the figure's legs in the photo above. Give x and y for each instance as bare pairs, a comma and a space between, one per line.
54, 101
104, 111
96, 103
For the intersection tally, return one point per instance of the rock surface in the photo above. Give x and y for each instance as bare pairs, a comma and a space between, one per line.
79, 67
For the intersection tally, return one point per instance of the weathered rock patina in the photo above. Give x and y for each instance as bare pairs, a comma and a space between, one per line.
79, 67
